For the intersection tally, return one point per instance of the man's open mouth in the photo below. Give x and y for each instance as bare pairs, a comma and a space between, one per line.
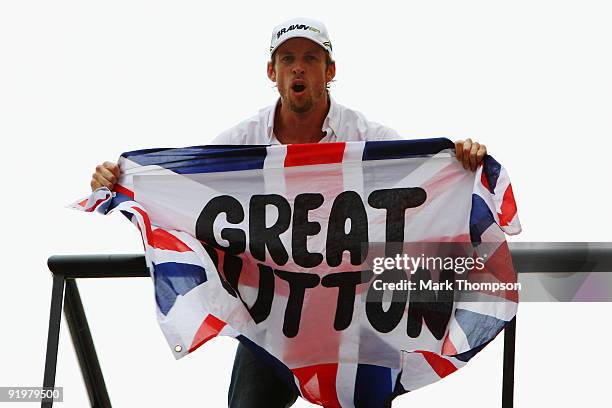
299, 87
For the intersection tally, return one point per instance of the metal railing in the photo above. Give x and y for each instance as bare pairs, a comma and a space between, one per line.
527, 258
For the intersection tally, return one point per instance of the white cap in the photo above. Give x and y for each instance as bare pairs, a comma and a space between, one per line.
301, 27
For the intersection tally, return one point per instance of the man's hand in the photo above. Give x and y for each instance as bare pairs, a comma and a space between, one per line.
470, 153
106, 175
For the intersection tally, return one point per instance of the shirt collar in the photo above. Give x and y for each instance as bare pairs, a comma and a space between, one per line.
270, 128
330, 123
332, 120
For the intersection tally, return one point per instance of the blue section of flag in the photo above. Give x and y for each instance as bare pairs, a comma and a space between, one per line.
104, 207
373, 386
202, 159
173, 279
399, 149
481, 218
127, 214
466, 356
118, 199
491, 171
478, 328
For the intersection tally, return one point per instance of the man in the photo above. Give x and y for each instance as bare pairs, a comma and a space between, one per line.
301, 65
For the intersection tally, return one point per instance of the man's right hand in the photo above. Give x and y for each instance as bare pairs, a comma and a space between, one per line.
106, 175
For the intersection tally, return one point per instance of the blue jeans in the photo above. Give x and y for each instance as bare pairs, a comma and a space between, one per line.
255, 384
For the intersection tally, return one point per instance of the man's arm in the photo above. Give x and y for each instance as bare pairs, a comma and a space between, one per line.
469, 153
107, 173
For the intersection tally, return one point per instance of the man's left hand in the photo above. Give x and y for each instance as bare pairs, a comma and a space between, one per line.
469, 153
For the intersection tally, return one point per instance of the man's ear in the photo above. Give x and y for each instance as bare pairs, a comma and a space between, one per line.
271, 72
330, 73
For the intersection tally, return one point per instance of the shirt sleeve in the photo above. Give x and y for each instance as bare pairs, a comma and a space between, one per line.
249, 131
224, 138
389, 134
378, 132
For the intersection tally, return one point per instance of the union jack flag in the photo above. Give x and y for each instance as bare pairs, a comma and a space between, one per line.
233, 274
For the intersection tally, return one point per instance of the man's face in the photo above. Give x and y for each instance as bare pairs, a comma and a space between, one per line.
300, 74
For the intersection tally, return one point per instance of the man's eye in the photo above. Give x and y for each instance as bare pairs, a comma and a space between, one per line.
311, 58
286, 58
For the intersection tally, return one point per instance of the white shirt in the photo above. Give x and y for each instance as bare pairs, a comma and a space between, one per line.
341, 125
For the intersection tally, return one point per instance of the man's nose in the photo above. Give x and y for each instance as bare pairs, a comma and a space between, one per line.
297, 69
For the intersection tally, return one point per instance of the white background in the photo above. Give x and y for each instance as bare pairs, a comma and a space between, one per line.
83, 81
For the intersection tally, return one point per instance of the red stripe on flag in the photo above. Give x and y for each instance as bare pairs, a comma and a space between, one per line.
508, 207
120, 189
441, 366
314, 153
147, 223
484, 181
211, 326
448, 348
498, 268
162, 239
318, 384
96, 204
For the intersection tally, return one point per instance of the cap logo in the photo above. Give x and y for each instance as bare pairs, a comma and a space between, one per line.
295, 27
